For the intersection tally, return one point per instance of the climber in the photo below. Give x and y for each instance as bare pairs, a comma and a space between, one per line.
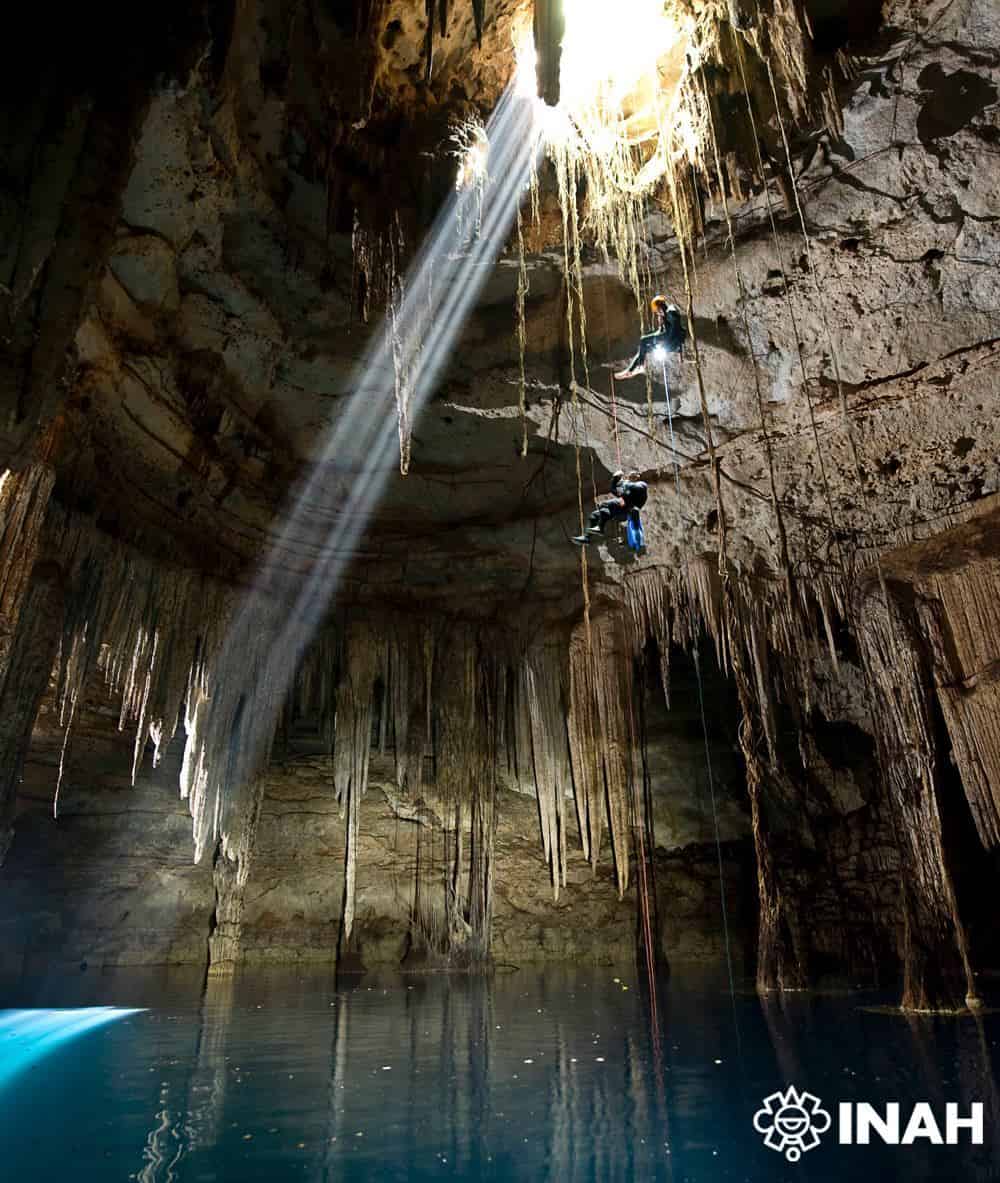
669, 335
628, 497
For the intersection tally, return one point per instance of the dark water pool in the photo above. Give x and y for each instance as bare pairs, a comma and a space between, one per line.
531, 1075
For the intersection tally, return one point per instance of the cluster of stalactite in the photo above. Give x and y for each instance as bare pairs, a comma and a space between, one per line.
467, 708
437, 13
459, 708
959, 614
23, 500
770, 641
936, 965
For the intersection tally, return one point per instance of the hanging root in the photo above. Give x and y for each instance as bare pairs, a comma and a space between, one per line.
522, 291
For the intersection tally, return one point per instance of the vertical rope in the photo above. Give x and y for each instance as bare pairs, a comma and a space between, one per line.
835, 539
522, 291
614, 422
639, 828
611, 374
563, 182
673, 441
742, 292
718, 851
703, 398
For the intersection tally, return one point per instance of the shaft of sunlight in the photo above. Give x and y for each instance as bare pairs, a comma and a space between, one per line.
330, 510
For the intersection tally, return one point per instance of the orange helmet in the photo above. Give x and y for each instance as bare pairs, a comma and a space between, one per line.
659, 303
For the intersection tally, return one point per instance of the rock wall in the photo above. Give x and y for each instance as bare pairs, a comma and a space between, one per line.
824, 483
111, 880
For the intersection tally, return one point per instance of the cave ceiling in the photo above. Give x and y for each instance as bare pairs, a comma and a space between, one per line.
288, 175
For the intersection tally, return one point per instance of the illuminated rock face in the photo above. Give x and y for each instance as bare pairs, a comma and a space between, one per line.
192, 316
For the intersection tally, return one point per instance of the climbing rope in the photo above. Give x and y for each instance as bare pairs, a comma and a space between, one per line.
835, 537
565, 191
614, 422
718, 851
611, 372
640, 821
866, 493
670, 420
702, 396
741, 289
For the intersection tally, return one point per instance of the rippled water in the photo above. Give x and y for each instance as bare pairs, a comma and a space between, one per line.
547, 1075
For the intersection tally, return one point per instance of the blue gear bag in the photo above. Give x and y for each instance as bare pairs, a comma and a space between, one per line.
634, 533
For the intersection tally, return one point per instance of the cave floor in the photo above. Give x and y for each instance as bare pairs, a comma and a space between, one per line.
549, 1074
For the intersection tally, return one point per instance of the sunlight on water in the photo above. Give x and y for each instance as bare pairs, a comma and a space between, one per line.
28, 1035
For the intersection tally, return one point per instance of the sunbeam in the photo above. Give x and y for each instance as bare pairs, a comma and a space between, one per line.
411, 350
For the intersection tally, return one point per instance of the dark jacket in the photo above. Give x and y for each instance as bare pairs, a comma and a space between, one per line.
674, 332
633, 493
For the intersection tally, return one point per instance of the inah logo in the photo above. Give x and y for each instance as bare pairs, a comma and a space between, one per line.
791, 1122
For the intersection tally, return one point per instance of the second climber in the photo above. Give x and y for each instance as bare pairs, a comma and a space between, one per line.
628, 496
669, 334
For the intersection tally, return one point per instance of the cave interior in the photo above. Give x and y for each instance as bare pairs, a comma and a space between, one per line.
312, 313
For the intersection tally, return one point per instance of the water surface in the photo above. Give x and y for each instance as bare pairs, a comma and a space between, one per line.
547, 1075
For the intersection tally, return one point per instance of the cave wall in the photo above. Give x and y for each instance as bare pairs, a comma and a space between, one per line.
110, 881
216, 324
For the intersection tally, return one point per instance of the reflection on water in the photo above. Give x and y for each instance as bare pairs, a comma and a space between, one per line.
534, 1075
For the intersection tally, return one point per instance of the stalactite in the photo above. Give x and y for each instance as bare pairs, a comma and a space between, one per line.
362, 658
544, 691
30, 663
24, 498
769, 644
583, 746
429, 17
409, 698
960, 616
155, 632
602, 742
393, 248
522, 763
780, 963
469, 726
936, 967
377, 262
230, 874
492, 694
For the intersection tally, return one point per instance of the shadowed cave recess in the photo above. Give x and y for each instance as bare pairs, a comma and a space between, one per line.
772, 738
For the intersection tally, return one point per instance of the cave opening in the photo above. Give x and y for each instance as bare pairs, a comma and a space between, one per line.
409, 814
